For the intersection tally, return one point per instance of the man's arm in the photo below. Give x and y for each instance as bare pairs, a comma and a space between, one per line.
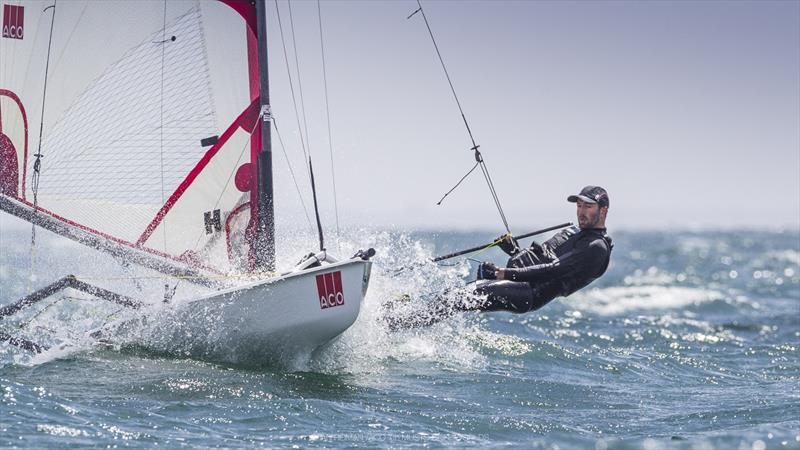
580, 259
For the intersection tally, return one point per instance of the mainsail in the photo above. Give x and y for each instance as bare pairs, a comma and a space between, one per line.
149, 124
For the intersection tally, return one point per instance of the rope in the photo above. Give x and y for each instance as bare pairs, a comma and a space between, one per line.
457, 184
478, 155
328, 116
37, 164
493, 244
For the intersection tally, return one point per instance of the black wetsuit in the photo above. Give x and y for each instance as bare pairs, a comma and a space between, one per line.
568, 261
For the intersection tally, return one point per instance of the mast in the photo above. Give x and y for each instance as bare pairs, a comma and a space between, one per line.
265, 226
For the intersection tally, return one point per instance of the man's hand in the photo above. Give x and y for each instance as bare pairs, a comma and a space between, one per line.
537, 248
508, 244
487, 271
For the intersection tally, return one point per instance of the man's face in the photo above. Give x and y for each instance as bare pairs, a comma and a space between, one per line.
588, 214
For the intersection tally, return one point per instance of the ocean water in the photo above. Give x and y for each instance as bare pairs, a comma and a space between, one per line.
690, 341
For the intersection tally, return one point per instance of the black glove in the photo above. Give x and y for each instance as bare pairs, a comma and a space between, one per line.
537, 248
508, 244
486, 271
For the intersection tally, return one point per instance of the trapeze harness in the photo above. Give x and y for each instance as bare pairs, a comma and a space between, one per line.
534, 276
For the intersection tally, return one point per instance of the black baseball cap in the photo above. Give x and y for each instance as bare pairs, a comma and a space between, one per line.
591, 194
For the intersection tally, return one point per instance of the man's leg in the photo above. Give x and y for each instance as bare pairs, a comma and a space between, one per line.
505, 295
488, 295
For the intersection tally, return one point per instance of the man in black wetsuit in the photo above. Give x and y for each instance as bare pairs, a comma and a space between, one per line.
533, 277
568, 261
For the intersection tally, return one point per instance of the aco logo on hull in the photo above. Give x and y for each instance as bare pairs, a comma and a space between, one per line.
329, 288
13, 21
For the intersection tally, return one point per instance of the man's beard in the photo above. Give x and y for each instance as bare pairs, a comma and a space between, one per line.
591, 220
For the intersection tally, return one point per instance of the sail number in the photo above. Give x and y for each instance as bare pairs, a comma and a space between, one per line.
329, 288
13, 21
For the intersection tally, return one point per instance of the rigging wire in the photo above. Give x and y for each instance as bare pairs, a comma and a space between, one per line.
161, 128
304, 142
328, 116
161, 116
291, 172
291, 82
299, 83
37, 164
478, 156
457, 184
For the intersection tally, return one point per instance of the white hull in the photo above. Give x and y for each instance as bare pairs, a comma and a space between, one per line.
280, 319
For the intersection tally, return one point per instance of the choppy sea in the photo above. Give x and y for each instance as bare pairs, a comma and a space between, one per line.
690, 341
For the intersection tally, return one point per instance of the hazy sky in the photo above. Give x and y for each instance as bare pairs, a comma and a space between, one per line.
687, 112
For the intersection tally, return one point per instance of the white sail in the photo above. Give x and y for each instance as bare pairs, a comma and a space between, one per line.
148, 121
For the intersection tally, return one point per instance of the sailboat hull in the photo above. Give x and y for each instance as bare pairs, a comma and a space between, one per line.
281, 319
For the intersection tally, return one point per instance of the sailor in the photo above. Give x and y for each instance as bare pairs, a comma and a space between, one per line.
534, 276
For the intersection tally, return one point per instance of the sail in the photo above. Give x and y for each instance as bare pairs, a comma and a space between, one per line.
148, 121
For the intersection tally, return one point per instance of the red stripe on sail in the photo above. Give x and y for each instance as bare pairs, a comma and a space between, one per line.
255, 137
194, 173
231, 216
16, 99
246, 9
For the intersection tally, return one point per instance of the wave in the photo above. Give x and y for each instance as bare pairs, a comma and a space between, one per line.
620, 300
